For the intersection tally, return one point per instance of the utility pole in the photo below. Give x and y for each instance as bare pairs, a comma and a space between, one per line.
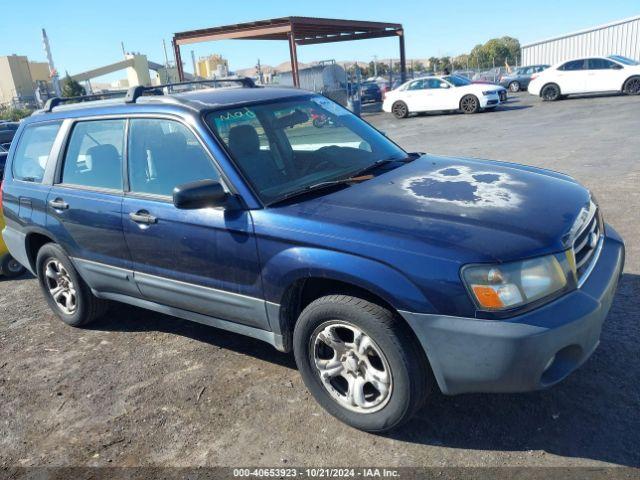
53, 73
193, 60
166, 57
375, 66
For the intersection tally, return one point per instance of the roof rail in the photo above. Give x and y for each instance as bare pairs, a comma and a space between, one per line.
55, 101
135, 92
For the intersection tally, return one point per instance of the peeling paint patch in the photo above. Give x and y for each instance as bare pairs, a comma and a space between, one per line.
465, 187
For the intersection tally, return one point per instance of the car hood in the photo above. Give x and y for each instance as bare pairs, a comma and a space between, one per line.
485, 210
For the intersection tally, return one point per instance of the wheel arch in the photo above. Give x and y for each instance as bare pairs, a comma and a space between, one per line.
624, 82
314, 274
34, 241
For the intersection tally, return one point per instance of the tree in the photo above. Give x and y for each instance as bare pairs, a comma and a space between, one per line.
71, 88
14, 114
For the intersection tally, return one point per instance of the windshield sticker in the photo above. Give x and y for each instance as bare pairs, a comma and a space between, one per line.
238, 115
465, 187
330, 106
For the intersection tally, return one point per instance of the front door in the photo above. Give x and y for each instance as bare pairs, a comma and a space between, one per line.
205, 260
603, 75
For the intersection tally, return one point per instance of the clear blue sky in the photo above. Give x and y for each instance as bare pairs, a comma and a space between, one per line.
85, 36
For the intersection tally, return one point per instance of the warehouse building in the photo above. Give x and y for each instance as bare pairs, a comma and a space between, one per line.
616, 38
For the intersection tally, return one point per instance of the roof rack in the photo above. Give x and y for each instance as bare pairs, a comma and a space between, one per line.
55, 101
133, 93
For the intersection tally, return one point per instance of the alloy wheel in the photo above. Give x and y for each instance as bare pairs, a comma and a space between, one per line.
514, 86
469, 104
351, 366
400, 110
632, 87
550, 92
61, 287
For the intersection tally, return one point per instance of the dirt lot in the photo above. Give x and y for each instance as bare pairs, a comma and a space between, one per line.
139, 388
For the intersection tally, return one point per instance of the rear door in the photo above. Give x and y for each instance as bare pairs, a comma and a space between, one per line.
571, 77
205, 260
85, 205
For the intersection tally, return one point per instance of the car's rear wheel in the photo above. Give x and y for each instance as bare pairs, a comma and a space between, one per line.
514, 86
10, 267
66, 293
400, 110
470, 104
360, 362
631, 86
550, 92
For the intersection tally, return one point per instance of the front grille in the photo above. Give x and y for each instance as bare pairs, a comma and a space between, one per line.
586, 243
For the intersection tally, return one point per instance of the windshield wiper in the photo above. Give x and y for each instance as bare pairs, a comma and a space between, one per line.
359, 176
322, 185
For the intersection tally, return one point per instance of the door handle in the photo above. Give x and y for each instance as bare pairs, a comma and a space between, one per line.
143, 217
58, 204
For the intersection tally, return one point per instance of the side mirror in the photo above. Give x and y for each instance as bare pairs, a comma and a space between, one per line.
200, 194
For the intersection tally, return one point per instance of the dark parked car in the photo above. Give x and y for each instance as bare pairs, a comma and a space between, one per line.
370, 92
385, 272
519, 79
7, 131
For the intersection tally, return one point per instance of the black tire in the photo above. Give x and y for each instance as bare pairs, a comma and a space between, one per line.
87, 306
470, 104
631, 86
550, 92
411, 377
10, 267
515, 86
400, 110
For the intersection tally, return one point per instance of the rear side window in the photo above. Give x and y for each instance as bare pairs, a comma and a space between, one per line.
33, 151
164, 154
94, 154
573, 65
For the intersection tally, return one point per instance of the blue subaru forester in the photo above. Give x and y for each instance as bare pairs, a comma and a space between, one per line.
385, 272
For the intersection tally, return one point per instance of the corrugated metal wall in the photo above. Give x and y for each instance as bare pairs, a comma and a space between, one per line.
616, 38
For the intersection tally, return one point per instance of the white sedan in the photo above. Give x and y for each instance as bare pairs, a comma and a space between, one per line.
438, 93
587, 75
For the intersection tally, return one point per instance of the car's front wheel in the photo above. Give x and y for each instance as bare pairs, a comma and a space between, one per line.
550, 92
631, 86
360, 362
470, 104
400, 110
514, 86
66, 293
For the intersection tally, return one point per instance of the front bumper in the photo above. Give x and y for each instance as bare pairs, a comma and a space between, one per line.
528, 352
489, 100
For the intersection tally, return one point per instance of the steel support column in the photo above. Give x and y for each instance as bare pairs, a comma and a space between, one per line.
178, 57
403, 59
294, 59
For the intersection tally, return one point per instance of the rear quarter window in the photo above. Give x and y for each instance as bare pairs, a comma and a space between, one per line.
33, 149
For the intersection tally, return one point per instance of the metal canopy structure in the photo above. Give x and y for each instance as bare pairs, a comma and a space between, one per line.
297, 31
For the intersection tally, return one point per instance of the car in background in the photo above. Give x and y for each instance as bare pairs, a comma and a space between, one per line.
7, 131
440, 93
519, 79
370, 92
502, 92
3, 159
587, 75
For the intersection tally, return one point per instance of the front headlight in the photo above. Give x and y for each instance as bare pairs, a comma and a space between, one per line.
511, 285
487, 93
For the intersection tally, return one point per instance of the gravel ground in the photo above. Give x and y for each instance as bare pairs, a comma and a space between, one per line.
139, 388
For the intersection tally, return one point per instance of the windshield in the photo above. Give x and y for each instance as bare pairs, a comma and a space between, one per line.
623, 60
286, 145
457, 81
